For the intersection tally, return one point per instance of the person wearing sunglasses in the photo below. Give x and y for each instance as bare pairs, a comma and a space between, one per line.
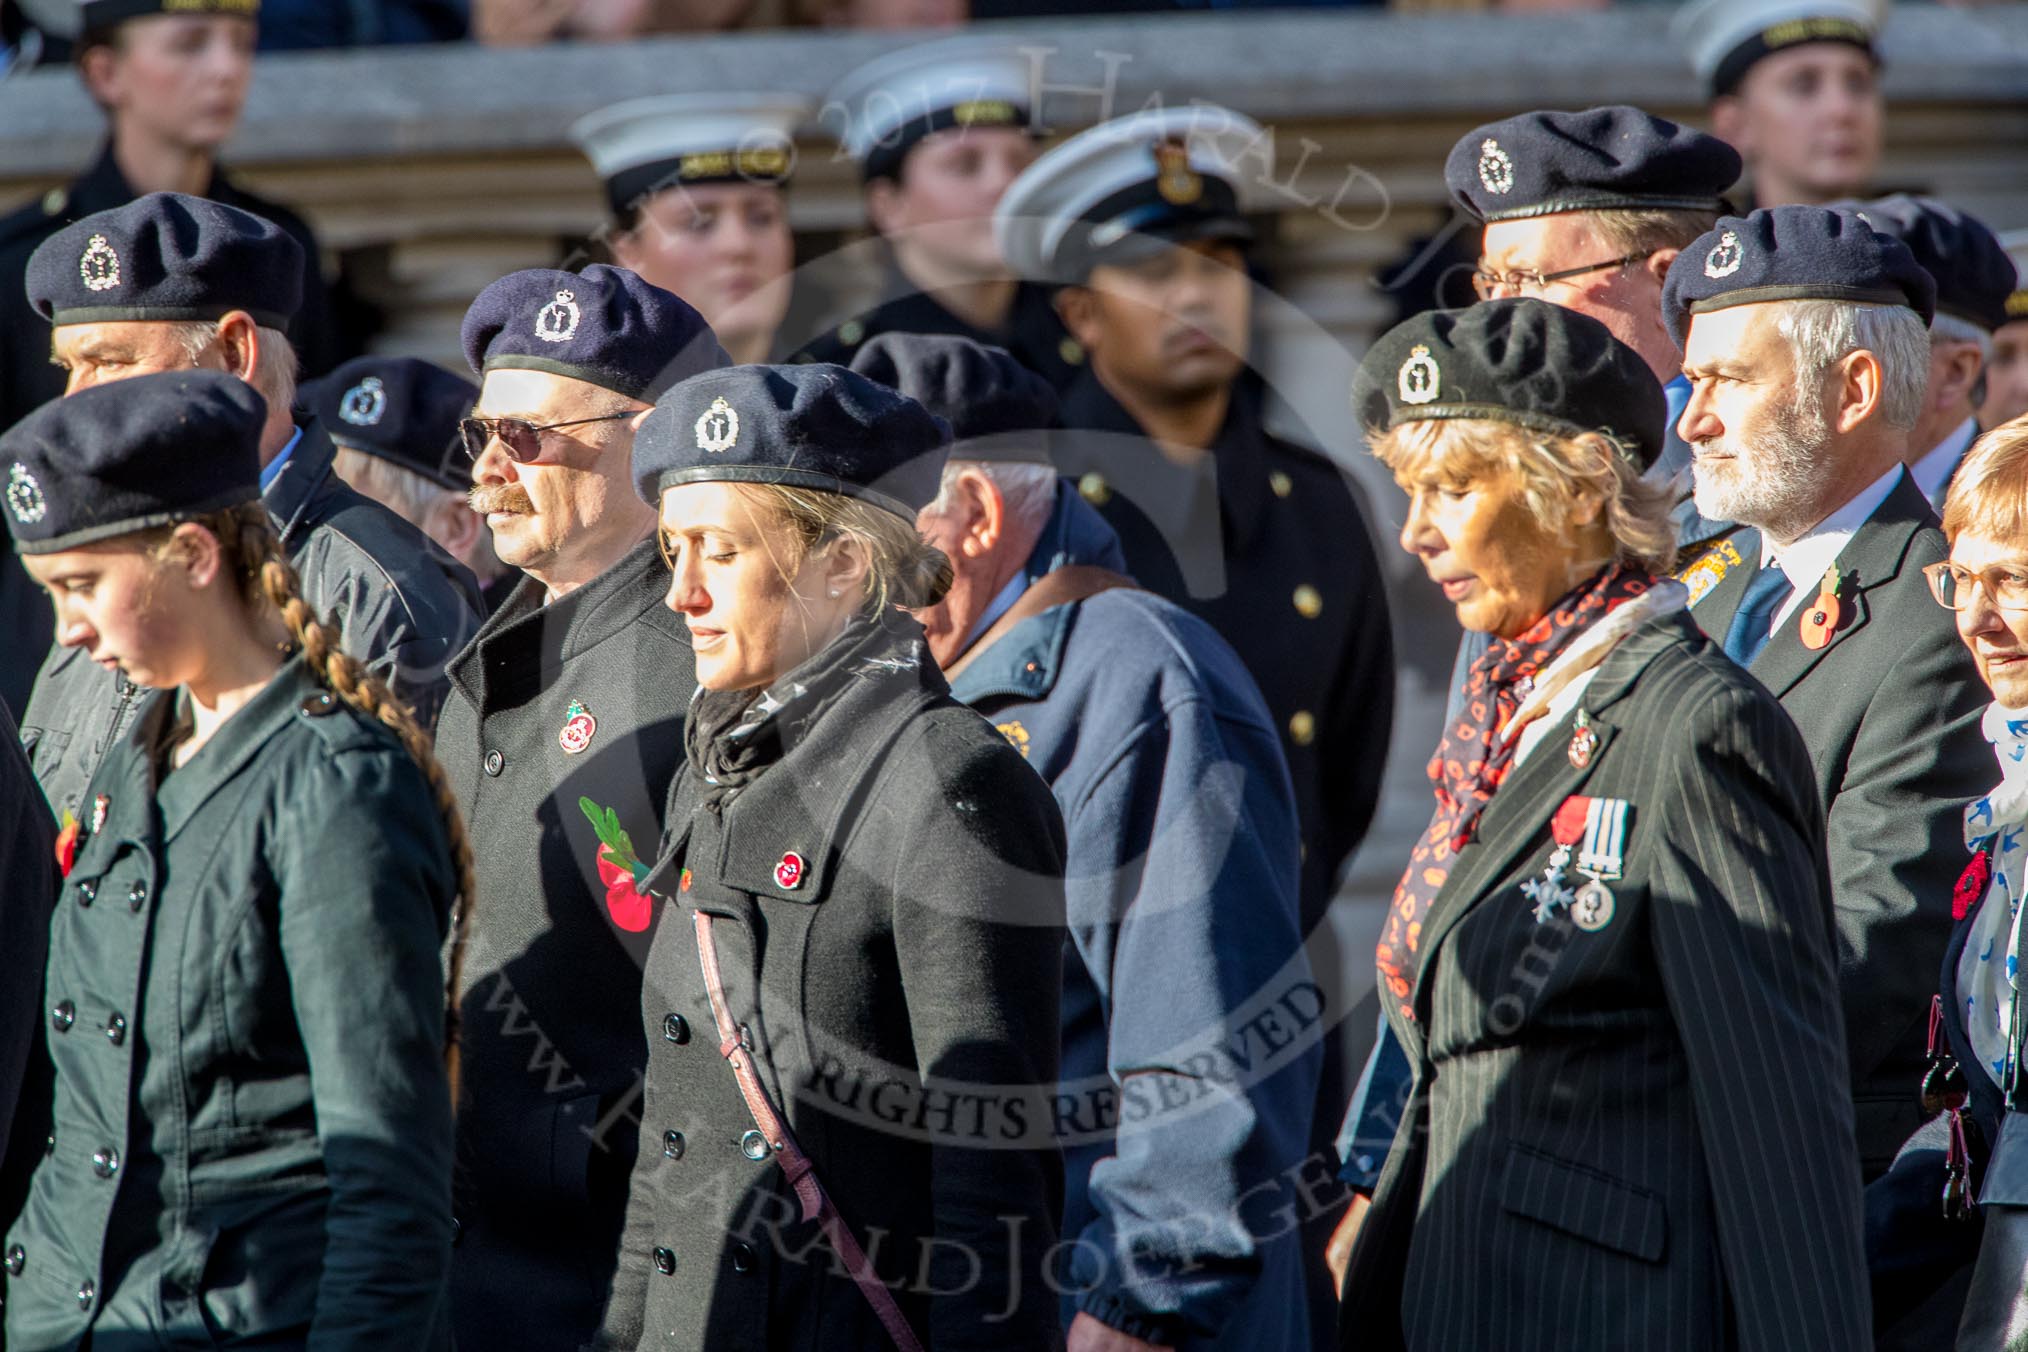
1944, 1215
172, 282
562, 732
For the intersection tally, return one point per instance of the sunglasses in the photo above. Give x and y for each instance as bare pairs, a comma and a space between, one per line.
521, 439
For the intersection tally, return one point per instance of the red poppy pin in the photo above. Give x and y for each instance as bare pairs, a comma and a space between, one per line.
1822, 616
67, 842
620, 869
789, 873
578, 727
1971, 888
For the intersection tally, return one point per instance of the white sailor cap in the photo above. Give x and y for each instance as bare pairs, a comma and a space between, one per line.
883, 108
1120, 189
2015, 242
645, 145
1726, 37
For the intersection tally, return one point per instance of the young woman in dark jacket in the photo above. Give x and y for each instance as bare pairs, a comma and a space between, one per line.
246, 1106
852, 998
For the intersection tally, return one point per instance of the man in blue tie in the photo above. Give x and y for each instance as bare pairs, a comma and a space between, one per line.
1806, 340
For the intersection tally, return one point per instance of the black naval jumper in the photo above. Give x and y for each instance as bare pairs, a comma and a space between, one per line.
553, 1044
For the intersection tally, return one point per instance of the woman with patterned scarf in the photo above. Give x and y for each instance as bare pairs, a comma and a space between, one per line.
851, 1001
1610, 959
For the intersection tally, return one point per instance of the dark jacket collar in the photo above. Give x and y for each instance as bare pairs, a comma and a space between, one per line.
302, 480
1238, 455
524, 642
1025, 661
103, 187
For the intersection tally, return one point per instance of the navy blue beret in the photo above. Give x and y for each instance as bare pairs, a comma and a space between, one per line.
1973, 274
167, 256
401, 409
1602, 159
1522, 361
123, 457
1793, 253
813, 426
998, 409
603, 325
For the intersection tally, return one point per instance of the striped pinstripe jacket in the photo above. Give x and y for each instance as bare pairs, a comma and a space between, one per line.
1637, 1135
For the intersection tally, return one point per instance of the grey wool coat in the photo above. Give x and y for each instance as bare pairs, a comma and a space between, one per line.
901, 993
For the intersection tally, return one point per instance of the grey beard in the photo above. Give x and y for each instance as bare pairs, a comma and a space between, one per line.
1774, 484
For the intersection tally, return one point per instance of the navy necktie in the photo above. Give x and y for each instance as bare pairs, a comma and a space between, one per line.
1751, 623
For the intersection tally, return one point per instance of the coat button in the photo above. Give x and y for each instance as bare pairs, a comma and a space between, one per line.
105, 1162
672, 1144
137, 896
674, 1028
1302, 727
63, 1016
116, 1029
87, 893
742, 1258
495, 763
1094, 489
754, 1146
86, 1293
1309, 602
457, 1231
1281, 483
665, 1262
17, 1259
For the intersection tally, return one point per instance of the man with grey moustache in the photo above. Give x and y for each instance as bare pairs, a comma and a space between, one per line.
1806, 341
563, 729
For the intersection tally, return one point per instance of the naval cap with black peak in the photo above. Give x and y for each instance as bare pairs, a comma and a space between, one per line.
1601, 159
1522, 361
1728, 38
603, 325
882, 110
1793, 253
129, 456
644, 146
813, 425
167, 256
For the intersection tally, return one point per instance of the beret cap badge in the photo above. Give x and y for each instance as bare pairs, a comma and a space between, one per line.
99, 265
24, 495
1420, 378
1496, 170
718, 427
557, 321
365, 404
1178, 184
1725, 257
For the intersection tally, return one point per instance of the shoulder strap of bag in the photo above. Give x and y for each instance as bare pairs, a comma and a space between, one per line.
1073, 582
735, 1044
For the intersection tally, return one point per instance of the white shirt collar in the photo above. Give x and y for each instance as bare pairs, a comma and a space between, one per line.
1808, 559
1932, 473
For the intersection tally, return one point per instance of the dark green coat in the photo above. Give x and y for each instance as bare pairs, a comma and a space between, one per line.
252, 1134
922, 942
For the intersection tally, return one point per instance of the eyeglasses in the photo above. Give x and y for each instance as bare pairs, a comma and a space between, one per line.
2006, 587
521, 439
1490, 285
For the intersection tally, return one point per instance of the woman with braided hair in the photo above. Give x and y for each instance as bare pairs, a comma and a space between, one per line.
246, 1093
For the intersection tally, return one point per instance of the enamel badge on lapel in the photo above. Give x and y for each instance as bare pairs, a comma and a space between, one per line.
101, 806
1583, 742
789, 873
1821, 616
578, 727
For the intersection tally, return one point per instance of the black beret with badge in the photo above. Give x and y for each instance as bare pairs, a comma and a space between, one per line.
889, 105
643, 146
1126, 189
1521, 361
399, 409
814, 426
1728, 38
1793, 253
167, 256
998, 409
129, 456
603, 325
1601, 159
1973, 274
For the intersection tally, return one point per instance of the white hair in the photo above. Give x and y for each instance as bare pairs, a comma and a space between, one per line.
1950, 329
274, 378
1820, 332
1030, 490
